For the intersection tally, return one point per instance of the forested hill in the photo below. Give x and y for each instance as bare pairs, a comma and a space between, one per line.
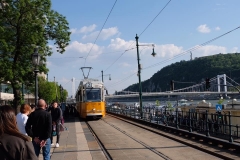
192, 71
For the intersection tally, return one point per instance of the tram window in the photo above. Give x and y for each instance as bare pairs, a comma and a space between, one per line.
93, 95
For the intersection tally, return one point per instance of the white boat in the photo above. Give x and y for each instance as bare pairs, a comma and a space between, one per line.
136, 105
183, 102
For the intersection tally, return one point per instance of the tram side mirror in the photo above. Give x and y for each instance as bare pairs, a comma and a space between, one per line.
106, 92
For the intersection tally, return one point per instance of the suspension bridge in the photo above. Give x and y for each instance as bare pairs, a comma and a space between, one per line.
220, 85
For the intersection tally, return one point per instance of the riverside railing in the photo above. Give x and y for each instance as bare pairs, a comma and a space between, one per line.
215, 125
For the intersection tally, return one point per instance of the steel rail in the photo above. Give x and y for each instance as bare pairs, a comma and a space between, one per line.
105, 152
140, 142
170, 137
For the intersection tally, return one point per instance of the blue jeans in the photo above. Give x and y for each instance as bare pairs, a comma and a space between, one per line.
45, 149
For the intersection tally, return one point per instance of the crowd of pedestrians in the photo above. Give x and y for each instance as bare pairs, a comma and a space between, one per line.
22, 136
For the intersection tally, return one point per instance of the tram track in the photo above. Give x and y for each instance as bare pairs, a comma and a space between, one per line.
115, 138
183, 141
140, 142
104, 150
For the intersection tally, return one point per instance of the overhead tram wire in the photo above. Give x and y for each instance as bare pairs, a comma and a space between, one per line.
141, 32
116, 59
181, 54
191, 49
155, 18
119, 57
120, 81
99, 32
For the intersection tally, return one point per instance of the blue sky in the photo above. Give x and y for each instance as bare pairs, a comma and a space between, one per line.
183, 24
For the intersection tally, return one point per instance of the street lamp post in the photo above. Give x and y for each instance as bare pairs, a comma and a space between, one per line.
61, 94
35, 61
139, 73
23, 93
106, 75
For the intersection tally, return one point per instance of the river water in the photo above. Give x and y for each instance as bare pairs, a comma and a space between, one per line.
146, 103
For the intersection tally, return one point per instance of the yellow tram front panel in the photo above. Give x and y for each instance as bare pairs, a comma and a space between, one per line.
92, 109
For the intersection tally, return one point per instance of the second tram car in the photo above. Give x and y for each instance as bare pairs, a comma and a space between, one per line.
90, 100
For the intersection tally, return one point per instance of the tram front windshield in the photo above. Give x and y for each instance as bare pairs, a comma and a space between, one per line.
93, 95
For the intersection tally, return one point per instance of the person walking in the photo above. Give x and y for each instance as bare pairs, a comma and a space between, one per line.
39, 127
22, 117
13, 144
56, 114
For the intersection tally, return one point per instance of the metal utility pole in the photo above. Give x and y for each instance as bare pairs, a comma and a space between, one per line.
56, 89
23, 92
139, 72
139, 76
35, 60
102, 75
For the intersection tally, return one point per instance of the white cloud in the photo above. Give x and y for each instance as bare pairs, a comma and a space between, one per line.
217, 28
234, 50
209, 50
203, 29
124, 64
74, 53
120, 44
104, 35
167, 50
73, 30
85, 29
81, 49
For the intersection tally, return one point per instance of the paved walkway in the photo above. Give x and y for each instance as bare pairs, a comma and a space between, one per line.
76, 143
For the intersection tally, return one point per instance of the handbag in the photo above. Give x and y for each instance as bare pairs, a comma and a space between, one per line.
54, 133
62, 128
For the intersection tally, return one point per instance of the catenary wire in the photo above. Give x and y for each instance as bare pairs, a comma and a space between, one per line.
191, 49
99, 32
116, 60
141, 33
155, 18
119, 58
122, 80
181, 54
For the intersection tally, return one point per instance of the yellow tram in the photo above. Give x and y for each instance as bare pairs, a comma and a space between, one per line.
90, 100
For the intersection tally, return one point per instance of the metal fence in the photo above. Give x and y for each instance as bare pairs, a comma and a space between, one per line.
216, 125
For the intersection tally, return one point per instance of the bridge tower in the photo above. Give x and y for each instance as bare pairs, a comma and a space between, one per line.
224, 82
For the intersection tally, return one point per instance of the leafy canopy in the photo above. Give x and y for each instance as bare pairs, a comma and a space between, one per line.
25, 25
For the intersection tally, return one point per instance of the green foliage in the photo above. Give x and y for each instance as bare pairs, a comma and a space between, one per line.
169, 106
46, 90
192, 71
157, 103
49, 91
221, 100
64, 95
24, 25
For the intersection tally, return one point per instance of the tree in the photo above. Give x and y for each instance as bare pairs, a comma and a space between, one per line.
24, 25
169, 106
64, 95
47, 90
221, 100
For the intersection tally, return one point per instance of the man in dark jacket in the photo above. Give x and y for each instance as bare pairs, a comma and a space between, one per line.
39, 127
56, 114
